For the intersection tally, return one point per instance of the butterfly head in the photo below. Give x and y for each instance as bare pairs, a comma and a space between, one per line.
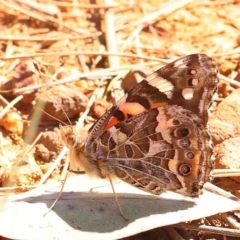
71, 138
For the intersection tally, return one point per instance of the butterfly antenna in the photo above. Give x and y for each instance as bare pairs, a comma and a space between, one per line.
60, 105
64, 150
41, 75
51, 116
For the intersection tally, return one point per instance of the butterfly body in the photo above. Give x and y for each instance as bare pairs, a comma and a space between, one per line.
156, 137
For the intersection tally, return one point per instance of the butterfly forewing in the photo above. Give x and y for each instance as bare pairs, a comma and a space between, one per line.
141, 98
189, 82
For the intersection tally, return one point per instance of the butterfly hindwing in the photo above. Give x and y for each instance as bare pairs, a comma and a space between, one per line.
165, 148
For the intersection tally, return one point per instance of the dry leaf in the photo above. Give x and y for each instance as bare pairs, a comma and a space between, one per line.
87, 210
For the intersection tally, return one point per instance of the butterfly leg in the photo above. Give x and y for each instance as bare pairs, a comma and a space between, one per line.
116, 199
63, 180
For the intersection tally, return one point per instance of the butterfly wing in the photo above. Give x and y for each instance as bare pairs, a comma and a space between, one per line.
139, 99
155, 137
189, 82
165, 148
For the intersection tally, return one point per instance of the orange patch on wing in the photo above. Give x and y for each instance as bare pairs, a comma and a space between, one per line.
162, 125
112, 122
127, 109
159, 104
132, 108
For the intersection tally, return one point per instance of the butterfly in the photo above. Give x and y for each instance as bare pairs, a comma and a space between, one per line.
156, 137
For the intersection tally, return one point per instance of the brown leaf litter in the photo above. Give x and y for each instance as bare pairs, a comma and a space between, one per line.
55, 60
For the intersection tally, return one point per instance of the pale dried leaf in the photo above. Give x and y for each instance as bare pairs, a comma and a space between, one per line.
87, 212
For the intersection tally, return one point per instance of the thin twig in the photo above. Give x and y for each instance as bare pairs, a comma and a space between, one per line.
219, 191
49, 9
45, 18
226, 79
95, 75
235, 51
230, 220
93, 53
107, 72
88, 6
211, 229
45, 8
131, 37
44, 37
111, 35
216, 173
3, 189
3, 100
213, 3
85, 113
26, 150
138, 49
10, 105
54, 165
160, 14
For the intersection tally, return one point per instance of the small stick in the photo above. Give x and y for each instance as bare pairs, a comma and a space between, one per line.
226, 79
211, 229
131, 37
93, 53
62, 81
56, 162
84, 115
3, 189
225, 173
43, 37
86, 6
210, 3
45, 18
5, 101
107, 72
27, 150
230, 219
138, 48
45, 8
10, 105
110, 35
49, 9
235, 51
160, 14
219, 191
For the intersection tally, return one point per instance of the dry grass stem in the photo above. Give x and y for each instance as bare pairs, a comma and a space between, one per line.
161, 13
10, 105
